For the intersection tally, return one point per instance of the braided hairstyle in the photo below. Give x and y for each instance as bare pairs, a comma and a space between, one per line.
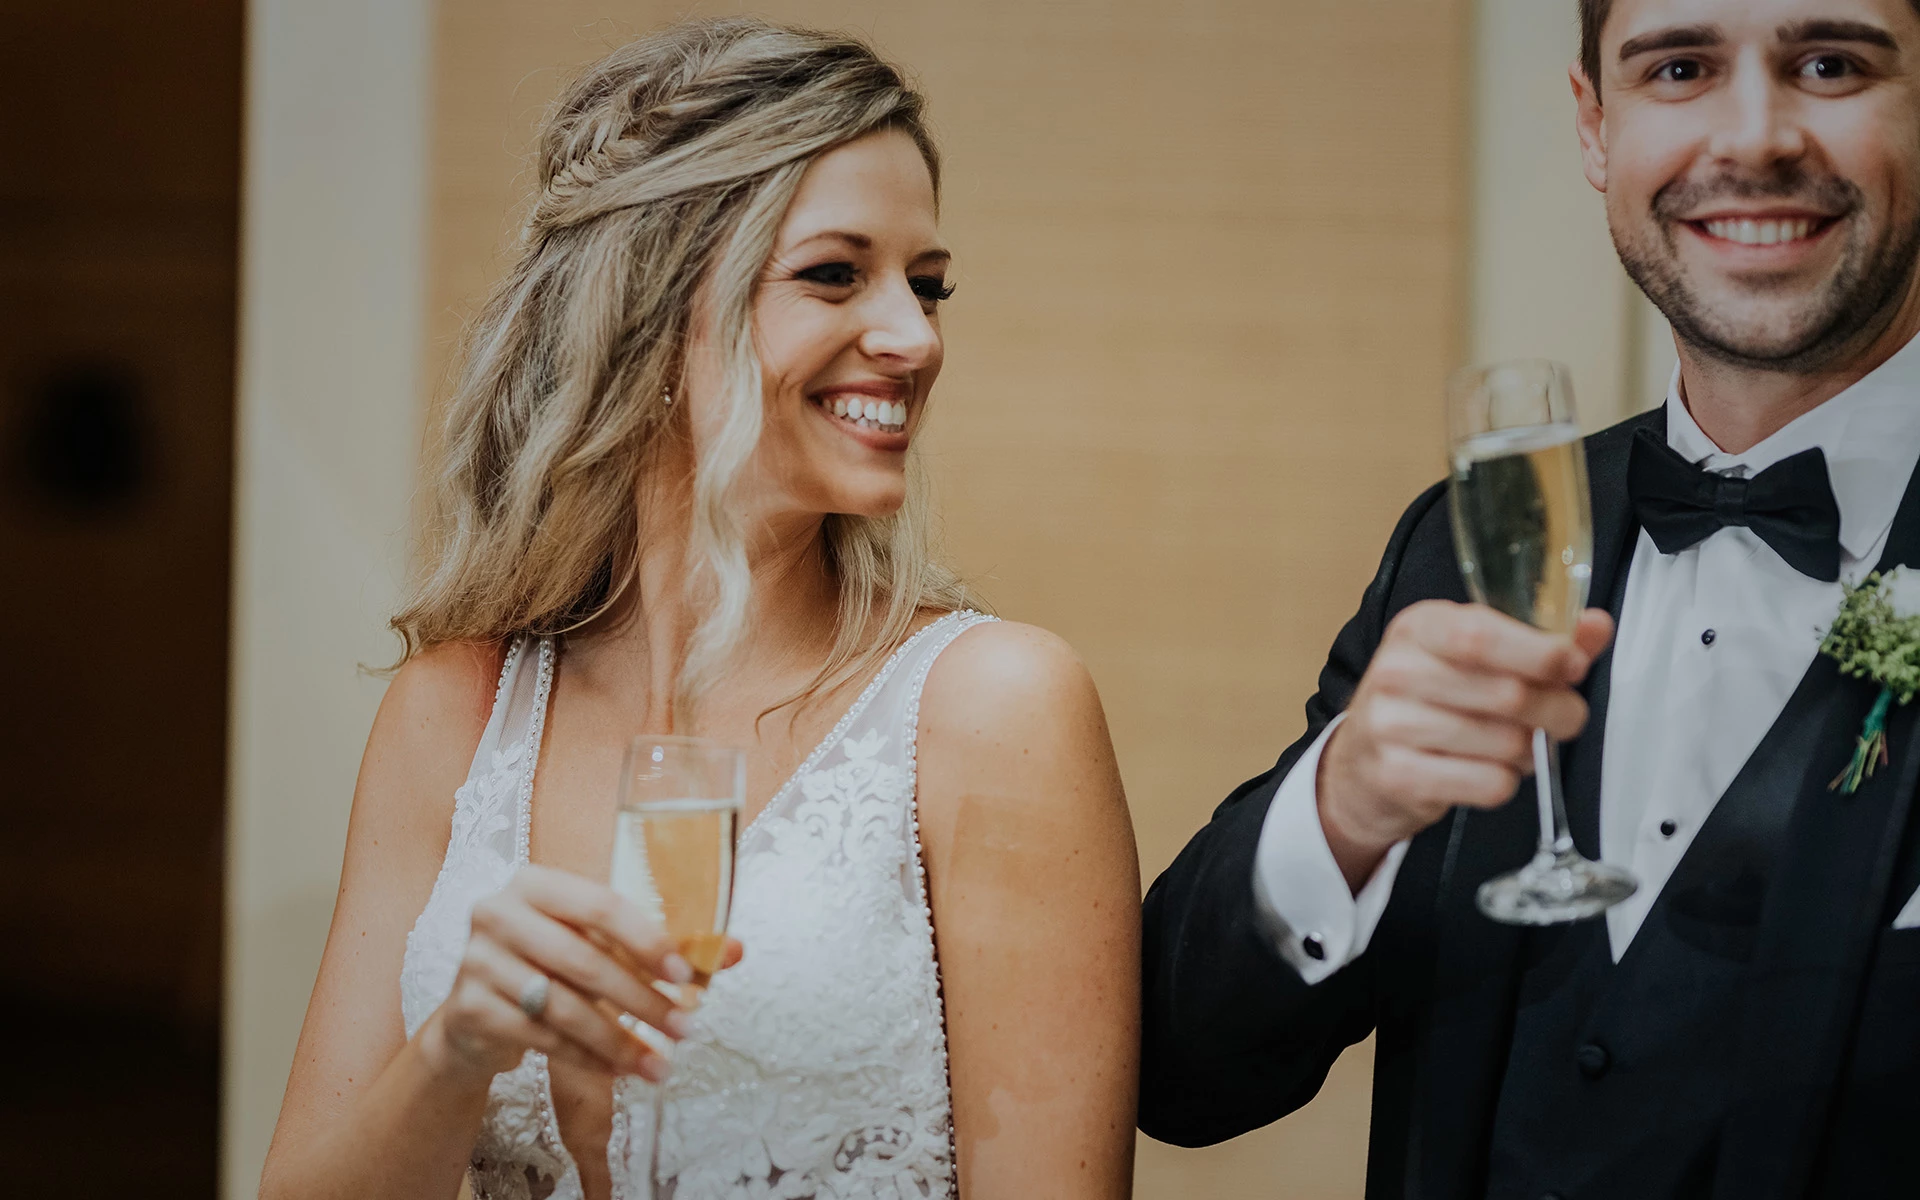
665, 170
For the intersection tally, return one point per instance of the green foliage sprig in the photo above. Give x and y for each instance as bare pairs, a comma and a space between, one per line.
1872, 640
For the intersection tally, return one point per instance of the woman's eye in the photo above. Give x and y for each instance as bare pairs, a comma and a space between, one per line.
1827, 66
1679, 70
834, 274
931, 288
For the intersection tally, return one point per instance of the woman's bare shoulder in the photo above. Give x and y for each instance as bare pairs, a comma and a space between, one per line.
1013, 707
429, 723
1003, 672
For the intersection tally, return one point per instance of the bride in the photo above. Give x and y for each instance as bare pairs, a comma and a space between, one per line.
677, 491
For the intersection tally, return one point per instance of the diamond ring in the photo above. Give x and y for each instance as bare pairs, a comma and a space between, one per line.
533, 995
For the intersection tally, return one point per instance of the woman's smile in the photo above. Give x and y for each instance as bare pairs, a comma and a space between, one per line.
872, 413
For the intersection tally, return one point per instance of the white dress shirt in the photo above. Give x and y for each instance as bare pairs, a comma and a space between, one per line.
1712, 642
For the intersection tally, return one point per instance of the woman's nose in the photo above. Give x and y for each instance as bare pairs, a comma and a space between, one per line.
900, 328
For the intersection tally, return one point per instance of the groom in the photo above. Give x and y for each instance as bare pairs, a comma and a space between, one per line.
1747, 1025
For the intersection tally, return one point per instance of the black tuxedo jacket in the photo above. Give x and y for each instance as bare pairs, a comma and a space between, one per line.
1828, 1098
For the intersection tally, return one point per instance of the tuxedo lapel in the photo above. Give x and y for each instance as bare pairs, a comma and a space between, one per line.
1818, 926
1615, 533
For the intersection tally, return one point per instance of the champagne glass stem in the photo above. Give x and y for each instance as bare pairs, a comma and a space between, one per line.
1555, 838
653, 1151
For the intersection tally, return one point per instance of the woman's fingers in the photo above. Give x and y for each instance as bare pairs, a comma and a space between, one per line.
585, 904
568, 1025
567, 957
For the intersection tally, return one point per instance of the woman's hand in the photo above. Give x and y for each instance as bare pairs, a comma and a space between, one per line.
599, 955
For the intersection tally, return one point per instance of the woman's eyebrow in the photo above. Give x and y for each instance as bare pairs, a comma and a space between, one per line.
859, 241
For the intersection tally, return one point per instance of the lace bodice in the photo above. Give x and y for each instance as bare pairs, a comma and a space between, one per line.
817, 1068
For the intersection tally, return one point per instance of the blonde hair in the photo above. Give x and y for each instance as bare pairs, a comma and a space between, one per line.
665, 171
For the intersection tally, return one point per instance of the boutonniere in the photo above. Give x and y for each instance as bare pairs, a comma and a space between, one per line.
1876, 637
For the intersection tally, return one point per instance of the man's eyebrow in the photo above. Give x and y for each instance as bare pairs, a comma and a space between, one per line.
1827, 29
1679, 37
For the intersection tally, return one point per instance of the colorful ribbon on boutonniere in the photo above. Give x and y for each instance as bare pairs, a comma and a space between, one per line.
1876, 637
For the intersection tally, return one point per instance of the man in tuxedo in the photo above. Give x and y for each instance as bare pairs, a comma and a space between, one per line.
1748, 1024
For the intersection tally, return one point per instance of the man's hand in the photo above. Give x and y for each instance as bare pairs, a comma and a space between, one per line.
1443, 717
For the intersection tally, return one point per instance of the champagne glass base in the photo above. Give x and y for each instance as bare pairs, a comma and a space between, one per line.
1555, 889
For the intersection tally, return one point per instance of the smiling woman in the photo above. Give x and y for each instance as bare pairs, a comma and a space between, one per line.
678, 492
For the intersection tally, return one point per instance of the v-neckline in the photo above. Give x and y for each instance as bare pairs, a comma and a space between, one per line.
826, 744
543, 1073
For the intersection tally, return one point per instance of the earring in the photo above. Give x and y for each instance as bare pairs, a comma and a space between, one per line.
667, 396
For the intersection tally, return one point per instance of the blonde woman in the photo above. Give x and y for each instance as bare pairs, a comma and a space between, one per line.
678, 492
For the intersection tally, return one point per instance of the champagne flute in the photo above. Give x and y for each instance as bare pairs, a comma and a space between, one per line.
673, 855
1523, 532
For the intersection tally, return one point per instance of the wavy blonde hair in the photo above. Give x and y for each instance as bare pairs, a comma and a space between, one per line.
665, 171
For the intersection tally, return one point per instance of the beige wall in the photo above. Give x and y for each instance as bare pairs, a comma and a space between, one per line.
1210, 267
1212, 271
327, 420
1545, 280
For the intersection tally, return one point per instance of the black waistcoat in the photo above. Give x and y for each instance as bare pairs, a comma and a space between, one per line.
1618, 1077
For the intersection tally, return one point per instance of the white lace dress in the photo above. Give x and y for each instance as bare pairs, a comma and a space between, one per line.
817, 1068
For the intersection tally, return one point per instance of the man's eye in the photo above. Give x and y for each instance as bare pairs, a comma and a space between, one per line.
1827, 66
835, 274
931, 288
1680, 70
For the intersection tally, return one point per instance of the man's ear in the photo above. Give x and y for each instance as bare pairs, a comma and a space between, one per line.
1591, 122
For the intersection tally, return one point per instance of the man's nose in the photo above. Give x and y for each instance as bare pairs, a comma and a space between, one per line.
1760, 127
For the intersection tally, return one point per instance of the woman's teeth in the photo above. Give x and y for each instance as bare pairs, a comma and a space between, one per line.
887, 415
1761, 233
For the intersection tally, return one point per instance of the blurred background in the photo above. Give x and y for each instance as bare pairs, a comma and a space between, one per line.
1215, 260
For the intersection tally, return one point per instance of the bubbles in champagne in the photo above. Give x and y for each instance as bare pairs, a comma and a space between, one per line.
674, 859
1521, 525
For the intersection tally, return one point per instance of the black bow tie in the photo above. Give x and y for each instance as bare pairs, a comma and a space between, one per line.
1789, 506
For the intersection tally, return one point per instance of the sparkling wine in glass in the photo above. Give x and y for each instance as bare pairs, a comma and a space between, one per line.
673, 855
1524, 536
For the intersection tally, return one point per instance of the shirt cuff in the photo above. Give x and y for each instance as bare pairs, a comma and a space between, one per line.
1317, 923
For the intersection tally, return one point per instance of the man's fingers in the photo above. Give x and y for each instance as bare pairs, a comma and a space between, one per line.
1477, 638
1436, 730
1441, 781
1594, 632
1411, 674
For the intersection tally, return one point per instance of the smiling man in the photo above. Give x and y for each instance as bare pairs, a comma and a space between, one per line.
1747, 1024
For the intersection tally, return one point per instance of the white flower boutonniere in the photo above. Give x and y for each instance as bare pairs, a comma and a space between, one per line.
1876, 637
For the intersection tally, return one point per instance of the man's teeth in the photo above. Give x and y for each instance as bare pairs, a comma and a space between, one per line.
1761, 233
871, 414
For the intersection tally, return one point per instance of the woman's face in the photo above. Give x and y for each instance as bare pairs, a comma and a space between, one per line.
847, 326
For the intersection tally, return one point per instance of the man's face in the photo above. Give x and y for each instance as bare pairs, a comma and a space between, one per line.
1761, 163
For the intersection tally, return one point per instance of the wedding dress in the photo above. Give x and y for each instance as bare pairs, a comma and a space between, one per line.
817, 1068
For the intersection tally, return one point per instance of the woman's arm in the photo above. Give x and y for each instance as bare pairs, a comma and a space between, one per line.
1035, 886
369, 1113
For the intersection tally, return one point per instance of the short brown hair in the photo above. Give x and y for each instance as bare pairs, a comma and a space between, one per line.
1593, 18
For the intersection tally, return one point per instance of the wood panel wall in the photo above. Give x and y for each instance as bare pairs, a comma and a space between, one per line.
1211, 277
119, 197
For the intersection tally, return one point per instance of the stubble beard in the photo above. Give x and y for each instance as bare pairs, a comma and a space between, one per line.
1837, 317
